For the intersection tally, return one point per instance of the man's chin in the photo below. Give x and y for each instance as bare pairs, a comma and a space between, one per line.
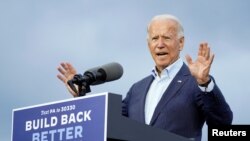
161, 66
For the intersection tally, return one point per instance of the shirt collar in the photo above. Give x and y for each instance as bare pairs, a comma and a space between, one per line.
169, 71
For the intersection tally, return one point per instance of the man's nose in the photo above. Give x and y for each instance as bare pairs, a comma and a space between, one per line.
160, 43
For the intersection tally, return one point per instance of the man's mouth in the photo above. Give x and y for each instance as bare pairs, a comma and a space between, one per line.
161, 53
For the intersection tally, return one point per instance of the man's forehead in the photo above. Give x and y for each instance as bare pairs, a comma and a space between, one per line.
162, 29
163, 24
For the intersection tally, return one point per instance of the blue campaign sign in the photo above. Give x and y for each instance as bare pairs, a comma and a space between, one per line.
78, 119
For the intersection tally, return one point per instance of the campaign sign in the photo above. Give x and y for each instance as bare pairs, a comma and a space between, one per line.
78, 119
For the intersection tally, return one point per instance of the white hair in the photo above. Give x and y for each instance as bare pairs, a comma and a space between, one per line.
180, 29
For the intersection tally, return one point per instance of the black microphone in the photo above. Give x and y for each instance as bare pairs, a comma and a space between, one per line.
94, 76
105, 73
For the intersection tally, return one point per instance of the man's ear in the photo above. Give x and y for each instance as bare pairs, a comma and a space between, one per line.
148, 42
181, 43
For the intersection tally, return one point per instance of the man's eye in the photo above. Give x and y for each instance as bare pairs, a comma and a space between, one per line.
167, 38
154, 38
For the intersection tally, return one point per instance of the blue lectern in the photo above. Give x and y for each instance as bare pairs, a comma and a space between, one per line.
96, 117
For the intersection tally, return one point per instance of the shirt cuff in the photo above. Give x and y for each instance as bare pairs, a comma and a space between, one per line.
209, 88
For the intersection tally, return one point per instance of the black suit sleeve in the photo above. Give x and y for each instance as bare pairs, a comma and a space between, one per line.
214, 107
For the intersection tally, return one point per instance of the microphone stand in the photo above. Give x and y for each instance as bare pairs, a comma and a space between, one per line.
83, 86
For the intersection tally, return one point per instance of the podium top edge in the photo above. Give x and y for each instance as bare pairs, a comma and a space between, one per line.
60, 101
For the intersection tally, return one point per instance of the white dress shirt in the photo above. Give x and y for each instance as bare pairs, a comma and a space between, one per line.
158, 87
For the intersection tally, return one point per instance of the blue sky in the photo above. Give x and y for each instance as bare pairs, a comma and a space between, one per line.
36, 35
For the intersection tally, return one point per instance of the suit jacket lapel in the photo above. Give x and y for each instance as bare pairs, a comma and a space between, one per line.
143, 92
170, 92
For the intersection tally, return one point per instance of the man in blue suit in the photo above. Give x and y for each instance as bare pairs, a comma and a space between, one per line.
176, 97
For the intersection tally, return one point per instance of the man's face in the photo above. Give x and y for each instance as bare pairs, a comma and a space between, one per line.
163, 42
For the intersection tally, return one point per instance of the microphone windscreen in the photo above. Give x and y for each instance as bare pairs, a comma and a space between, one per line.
113, 71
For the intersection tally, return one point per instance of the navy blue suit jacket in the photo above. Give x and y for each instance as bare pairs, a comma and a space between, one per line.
183, 108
